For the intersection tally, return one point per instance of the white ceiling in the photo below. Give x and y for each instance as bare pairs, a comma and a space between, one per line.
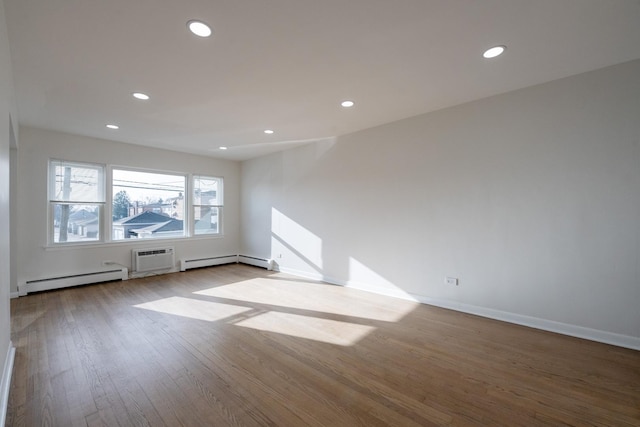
286, 64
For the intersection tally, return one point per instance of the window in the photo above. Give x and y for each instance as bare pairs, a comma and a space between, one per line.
207, 205
76, 201
147, 205
144, 204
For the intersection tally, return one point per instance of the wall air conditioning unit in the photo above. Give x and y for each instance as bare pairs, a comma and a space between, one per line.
152, 259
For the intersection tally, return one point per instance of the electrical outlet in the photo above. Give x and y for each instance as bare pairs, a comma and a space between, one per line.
451, 281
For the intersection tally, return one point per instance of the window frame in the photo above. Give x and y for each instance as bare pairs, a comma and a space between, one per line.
105, 207
219, 206
52, 201
186, 221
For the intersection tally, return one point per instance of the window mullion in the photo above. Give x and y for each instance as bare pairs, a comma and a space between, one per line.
107, 223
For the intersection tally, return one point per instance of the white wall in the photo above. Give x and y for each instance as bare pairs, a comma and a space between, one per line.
7, 112
37, 146
530, 198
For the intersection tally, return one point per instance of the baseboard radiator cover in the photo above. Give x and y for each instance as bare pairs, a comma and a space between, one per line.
186, 264
258, 262
39, 285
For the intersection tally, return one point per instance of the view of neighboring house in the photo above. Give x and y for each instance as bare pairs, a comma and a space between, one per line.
209, 197
165, 218
147, 224
159, 219
172, 227
173, 207
208, 221
83, 223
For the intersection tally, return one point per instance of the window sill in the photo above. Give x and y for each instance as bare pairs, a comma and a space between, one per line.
129, 242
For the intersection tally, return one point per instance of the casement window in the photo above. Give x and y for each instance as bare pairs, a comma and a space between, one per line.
207, 205
76, 202
144, 204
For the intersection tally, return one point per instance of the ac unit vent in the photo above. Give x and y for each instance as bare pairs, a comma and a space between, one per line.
154, 252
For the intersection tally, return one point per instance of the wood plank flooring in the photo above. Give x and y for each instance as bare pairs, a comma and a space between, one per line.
240, 346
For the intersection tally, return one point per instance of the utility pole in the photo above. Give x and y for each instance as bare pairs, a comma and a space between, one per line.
64, 217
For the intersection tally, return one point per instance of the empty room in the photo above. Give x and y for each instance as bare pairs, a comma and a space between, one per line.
320, 213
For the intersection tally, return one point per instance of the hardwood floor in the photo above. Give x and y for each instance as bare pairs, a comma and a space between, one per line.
240, 346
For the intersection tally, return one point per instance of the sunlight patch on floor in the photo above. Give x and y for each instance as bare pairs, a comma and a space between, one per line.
312, 328
302, 295
194, 309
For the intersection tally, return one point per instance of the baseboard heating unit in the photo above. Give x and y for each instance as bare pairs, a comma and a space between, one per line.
258, 262
73, 280
186, 264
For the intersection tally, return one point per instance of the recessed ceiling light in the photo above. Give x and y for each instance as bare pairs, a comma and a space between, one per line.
199, 28
347, 104
494, 51
140, 95
110, 126
268, 131
223, 148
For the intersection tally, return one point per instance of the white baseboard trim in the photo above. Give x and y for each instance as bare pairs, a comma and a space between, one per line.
303, 274
5, 385
597, 335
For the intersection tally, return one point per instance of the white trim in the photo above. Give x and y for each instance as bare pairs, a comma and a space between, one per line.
306, 274
128, 242
5, 385
142, 274
605, 337
597, 335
